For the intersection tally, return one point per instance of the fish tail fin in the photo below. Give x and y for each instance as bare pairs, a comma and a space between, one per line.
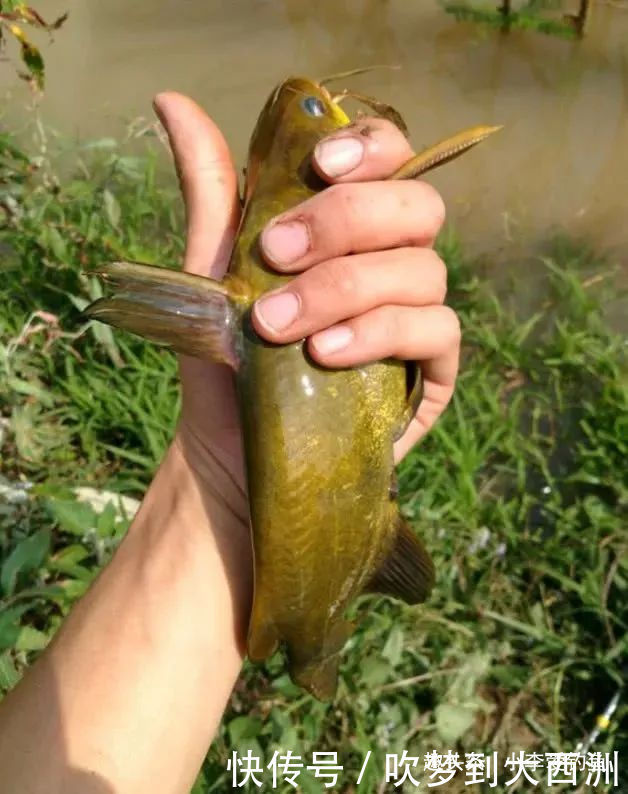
319, 679
319, 676
189, 314
407, 571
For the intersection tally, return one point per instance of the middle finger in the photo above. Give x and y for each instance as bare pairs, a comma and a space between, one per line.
347, 287
353, 218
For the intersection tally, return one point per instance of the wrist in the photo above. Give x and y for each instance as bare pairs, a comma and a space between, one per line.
217, 467
192, 531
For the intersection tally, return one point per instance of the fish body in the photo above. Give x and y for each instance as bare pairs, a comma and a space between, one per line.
318, 443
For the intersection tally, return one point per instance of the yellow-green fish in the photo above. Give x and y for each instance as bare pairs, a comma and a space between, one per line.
318, 443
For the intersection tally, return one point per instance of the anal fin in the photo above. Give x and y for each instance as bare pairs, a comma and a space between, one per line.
407, 572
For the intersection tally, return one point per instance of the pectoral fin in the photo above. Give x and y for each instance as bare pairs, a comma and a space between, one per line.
443, 152
415, 395
407, 572
190, 314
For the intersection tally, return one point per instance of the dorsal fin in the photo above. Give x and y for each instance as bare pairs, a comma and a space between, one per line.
407, 572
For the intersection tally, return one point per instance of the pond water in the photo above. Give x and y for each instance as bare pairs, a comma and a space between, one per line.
561, 161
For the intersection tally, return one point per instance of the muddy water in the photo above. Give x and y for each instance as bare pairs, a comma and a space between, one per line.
560, 163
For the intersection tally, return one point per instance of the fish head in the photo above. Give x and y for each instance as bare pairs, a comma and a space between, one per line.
298, 113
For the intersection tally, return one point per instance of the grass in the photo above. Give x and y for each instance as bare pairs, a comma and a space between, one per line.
519, 493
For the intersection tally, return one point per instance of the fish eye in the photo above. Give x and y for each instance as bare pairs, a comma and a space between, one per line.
313, 106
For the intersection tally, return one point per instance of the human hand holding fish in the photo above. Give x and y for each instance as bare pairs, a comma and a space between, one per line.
369, 279
311, 292
154, 648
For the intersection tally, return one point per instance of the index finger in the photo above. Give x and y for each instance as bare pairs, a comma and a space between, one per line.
369, 148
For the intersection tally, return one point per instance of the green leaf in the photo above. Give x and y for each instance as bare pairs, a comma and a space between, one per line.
244, 727
9, 675
107, 521
393, 648
73, 517
27, 556
374, 671
68, 557
30, 639
104, 336
73, 589
308, 784
30, 55
286, 686
452, 722
57, 244
31, 389
112, 208
9, 625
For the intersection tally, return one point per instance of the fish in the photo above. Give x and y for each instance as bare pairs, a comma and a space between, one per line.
318, 443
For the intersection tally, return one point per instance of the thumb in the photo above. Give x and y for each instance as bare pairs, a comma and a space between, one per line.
208, 182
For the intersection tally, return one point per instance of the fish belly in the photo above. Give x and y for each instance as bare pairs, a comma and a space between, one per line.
318, 445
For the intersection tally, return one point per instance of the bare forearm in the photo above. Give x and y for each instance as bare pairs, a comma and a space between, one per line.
129, 694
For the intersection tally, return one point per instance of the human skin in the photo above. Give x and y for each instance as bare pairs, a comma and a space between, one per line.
130, 692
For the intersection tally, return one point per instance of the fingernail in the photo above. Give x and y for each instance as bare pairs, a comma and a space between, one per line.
278, 311
286, 242
339, 156
332, 340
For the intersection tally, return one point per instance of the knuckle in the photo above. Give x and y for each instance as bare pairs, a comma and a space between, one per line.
434, 210
395, 331
429, 274
340, 204
336, 196
338, 276
452, 327
349, 204
389, 133
438, 272
374, 125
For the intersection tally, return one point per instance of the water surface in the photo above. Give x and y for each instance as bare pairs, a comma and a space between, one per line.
560, 163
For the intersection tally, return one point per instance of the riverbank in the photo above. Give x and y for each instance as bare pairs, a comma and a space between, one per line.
519, 492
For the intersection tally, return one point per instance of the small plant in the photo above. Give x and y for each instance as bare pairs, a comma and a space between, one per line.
13, 16
541, 16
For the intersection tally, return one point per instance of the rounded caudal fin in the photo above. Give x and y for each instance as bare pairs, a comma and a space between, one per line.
319, 679
319, 675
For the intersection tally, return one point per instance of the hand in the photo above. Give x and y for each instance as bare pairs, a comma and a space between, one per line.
155, 646
369, 285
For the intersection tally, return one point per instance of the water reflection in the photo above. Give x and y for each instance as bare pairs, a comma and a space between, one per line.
562, 160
